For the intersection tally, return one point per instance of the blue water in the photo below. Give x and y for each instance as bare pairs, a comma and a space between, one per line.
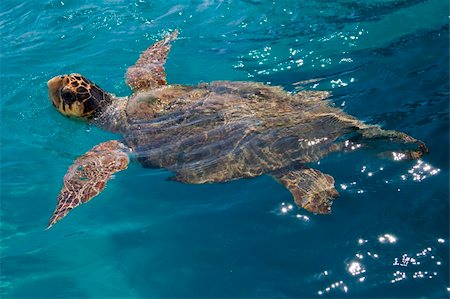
386, 62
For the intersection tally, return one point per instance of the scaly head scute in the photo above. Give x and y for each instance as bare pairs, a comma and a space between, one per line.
75, 96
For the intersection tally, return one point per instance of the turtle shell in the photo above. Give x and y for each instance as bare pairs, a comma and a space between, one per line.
227, 130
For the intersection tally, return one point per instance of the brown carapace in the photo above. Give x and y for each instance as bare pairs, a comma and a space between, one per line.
214, 132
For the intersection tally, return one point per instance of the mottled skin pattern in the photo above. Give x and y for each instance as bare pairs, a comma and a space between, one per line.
76, 96
88, 175
213, 132
311, 189
148, 72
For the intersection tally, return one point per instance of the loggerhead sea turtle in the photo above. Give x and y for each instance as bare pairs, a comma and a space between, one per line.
212, 132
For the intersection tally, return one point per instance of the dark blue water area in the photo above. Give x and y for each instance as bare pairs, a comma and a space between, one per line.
385, 62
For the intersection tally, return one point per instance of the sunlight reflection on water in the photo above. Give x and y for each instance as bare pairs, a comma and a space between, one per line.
424, 264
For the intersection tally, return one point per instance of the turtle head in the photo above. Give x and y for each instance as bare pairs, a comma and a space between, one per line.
75, 96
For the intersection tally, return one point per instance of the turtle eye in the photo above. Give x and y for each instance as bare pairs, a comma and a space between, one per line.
68, 96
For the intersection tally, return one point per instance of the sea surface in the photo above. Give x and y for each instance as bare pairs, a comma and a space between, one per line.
386, 62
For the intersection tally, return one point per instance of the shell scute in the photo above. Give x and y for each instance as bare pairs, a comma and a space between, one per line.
226, 130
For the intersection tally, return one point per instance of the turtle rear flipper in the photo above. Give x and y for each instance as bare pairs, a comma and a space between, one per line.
88, 176
149, 72
392, 143
312, 189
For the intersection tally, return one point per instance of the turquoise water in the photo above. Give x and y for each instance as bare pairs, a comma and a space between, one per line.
385, 62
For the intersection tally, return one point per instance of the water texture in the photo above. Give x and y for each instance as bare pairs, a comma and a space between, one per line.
386, 62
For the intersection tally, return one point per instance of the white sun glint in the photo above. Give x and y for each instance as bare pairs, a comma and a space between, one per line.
338, 83
352, 146
387, 238
398, 156
287, 209
334, 287
421, 171
361, 241
408, 266
284, 208
302, 217
355, 268
398, 276
315, 141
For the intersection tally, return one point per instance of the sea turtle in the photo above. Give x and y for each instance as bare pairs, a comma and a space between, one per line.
212, 132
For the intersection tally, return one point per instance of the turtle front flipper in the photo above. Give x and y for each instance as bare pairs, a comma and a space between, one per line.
312, 189
149, 72
88, 175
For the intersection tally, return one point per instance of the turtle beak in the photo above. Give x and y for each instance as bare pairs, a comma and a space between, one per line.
54, 86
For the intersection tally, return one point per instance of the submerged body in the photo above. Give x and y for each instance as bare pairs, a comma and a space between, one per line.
212, 132
227, 130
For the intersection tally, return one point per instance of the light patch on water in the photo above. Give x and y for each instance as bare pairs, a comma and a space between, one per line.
302, 217
365, 170
408, 266
333, 287
356, 146
421, 171
424, 252
285, 208
398, 276
338, 83
355, 268
348, 186
345, 60
405, 261
387, 238
315, 141
238, 64
398, 156
373, 255
424, 274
